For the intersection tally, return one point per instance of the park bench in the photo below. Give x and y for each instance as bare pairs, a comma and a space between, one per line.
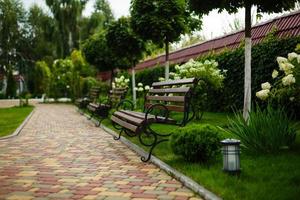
164, 98
93, 95
101, 110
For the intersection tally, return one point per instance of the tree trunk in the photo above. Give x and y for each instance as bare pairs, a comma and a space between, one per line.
111, 77
133, 85
167, 60
247, 81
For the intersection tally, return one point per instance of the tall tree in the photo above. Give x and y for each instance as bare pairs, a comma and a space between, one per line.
41, 34
268, 6
12, 20
67, 14
103, 7
97, 51
126, 44
99, 19
162, 22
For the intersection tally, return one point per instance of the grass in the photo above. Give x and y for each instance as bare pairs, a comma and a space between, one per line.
263, 176
11, 118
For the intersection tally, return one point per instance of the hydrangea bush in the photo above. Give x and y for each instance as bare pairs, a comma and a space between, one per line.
121, 82
210, 78
286, 87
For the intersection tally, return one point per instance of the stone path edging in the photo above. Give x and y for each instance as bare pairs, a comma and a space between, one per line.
19, 129
188, 182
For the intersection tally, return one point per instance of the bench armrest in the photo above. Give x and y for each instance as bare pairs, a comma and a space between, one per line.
161, 107
125, 104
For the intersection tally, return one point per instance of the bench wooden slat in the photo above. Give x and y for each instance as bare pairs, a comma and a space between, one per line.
170, 90
167, 98
150, 118
116, 92
129, 118
174, 82
176, 108
124, 123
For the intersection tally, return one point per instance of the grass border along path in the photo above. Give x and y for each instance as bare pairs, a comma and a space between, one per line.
12, 118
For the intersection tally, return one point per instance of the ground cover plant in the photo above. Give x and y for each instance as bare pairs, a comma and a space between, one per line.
11, 118
264, 176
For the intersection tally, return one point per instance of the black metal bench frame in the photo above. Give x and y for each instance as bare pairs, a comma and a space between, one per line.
101, 109
139, 123
82, 103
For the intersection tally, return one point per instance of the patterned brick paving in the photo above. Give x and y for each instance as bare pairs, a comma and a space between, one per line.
61, 155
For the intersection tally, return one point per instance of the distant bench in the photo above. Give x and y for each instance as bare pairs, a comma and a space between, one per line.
101, 110
167, 96
93, 95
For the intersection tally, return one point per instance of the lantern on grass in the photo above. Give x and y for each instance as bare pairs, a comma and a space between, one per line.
231, 156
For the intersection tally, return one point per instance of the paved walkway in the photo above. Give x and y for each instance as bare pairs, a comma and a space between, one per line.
61, 155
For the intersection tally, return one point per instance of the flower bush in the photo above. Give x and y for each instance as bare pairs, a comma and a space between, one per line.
286, 87
141, 91
121, 82
210, 77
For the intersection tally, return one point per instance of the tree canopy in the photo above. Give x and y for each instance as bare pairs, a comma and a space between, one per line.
124, 42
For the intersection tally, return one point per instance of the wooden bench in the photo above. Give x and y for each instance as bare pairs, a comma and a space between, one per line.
101, 110
93, 95
164, 98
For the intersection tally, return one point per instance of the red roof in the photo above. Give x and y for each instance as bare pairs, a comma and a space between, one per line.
286, 26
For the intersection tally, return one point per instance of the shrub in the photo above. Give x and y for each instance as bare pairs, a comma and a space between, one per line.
196, 143
267, 131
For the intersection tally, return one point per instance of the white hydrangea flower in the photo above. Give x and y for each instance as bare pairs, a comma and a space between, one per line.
136, 89
263, 94
127, 80
288, 80
275, 73
266, 86
140, 89
298, 59
161, 79
281, 60
292, 56
147, 87
292, 98
113, 85
122, 78
140, 84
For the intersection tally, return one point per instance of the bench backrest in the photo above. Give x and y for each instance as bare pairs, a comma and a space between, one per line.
174, 94
94, 94
116, 95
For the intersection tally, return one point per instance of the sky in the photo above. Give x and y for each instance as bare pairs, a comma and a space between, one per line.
215, 24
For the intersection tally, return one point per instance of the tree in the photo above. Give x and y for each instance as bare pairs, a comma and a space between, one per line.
162, 22
98, 52
268, 6
12, 19
99, 19
126, 44
42, 78
67, 14
41, 34
103, 7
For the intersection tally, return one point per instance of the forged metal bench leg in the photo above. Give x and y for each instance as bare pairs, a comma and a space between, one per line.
119, 137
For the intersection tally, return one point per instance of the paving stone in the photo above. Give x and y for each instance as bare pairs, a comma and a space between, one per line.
59, 154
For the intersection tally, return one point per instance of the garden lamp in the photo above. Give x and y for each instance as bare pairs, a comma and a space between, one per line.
231, 156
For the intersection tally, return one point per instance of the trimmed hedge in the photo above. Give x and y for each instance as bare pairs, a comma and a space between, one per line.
231, 96
263, 63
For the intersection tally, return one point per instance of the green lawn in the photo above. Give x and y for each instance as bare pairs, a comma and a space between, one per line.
263, 177
11, 118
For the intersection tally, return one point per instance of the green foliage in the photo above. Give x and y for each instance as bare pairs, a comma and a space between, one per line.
161, 21
42, 78
11, 85
80, 64
263, 61
196, 143
267, 131
124, 42
97, 51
